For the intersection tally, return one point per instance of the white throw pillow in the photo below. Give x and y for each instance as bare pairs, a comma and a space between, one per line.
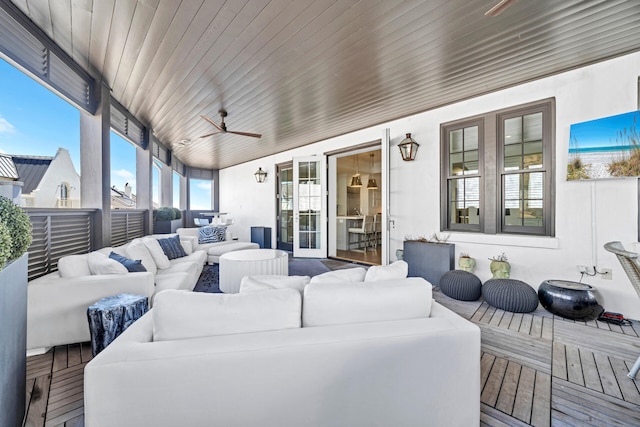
102, 264
159, 257
74, 266
355, 274
138, 250
266, 283
397, 270
182, 314
339, 303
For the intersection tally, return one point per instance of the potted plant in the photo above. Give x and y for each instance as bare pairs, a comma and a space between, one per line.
429, 257
466, 263
15, 238
500, 267
166, 220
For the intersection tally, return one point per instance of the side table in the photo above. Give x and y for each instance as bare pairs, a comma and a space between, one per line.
110, 316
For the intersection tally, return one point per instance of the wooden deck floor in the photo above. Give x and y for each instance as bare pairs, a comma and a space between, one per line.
537, 370
542, 370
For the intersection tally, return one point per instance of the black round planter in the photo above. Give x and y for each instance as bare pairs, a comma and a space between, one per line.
572, 300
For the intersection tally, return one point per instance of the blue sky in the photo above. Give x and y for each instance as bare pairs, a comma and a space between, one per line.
36, 121
602, 132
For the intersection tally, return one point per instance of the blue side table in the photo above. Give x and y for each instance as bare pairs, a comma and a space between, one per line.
110, 316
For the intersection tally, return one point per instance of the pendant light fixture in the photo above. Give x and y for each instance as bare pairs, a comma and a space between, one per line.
371, 184
355, 179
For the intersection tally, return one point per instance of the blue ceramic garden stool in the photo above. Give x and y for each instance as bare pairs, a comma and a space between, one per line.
110, 316
510, 295
461, 285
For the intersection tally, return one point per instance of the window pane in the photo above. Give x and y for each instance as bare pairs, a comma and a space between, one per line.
512, 194
533, 155
464, 196
470, 162
199, 194
513, 130
532, 127
471, 138
455, 141
513, 157
456, 165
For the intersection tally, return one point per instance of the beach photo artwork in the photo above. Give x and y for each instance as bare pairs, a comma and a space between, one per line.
605, 148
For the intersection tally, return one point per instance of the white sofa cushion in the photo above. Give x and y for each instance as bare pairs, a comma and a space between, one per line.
181, 315
356, 274
269, 282
74, 266
138, 250
158, 255
102, 264
395, 271
338, 303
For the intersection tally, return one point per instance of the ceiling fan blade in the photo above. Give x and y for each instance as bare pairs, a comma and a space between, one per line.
212, 122
210, 134
253, 135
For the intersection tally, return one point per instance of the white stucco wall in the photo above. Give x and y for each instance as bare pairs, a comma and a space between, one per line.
588, 93
60, 170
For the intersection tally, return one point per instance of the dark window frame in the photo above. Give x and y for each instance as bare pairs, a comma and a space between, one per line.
491, 162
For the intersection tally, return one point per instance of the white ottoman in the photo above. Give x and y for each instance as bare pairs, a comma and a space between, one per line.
251, 262
214, 252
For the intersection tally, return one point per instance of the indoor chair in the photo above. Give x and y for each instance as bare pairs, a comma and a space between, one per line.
631, 265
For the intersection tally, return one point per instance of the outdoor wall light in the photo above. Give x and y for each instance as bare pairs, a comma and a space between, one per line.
408, 148
261, 176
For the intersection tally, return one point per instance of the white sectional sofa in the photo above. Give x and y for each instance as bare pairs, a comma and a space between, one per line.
57, 302
338, 354
216, 249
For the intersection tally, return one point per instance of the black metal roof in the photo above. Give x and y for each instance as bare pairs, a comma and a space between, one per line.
31, 169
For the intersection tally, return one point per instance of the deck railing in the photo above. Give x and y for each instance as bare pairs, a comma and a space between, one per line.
60, 232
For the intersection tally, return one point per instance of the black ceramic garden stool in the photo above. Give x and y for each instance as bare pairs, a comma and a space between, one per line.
510, 295
573, 300
110, 316
461, 285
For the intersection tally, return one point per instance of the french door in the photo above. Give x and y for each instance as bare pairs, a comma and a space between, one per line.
309, 210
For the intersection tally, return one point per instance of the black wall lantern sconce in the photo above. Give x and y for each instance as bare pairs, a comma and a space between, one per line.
408, 148
261, 176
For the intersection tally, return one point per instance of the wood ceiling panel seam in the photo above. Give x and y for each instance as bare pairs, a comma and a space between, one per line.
191, 101
209, 52
101, 21
117, 38
272, 16
80, 28
231, 102
156, 32
192, 46
61, 14
174, 37
39, 11
140, 26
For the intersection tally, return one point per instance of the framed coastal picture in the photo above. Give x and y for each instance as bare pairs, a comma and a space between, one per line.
605, 148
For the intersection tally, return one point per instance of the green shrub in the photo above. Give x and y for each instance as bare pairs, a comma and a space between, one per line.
178, 213
5, 245
19, 226
164, 214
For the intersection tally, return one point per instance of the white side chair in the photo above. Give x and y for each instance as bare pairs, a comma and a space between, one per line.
200, 222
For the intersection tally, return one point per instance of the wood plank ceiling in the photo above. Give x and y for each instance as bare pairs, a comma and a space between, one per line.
306, 70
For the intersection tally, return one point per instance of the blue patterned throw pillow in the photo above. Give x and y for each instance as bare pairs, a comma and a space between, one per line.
172, 247
133, 266
211, 234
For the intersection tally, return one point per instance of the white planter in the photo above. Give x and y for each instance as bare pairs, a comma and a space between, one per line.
13, 341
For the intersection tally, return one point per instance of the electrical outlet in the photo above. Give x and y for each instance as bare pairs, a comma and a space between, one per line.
583, 269
606, 273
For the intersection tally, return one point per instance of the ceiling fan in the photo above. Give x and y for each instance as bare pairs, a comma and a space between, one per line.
222, 127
